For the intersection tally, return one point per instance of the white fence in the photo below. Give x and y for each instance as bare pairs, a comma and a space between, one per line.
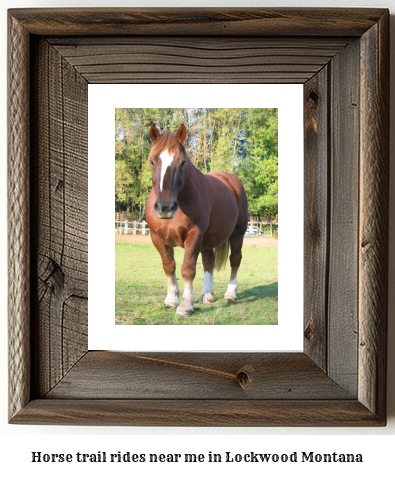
255, 228
260, 228
131, 227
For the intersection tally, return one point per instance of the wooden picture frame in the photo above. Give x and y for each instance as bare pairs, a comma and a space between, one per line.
342, 58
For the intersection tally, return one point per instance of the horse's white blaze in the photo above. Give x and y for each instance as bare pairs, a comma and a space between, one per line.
231, 290
166, 160
172, 291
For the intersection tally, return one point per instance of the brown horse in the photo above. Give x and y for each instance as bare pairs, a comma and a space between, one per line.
205, 213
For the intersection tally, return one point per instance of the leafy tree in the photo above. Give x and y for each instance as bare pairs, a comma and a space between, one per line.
237, 140
260, 166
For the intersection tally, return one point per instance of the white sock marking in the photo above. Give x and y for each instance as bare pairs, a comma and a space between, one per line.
172, 291
232, 288
208, 283
208, 288
186, 306
166, 160
188, 291
172, 287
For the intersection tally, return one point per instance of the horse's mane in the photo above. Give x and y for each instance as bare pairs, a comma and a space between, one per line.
167, 140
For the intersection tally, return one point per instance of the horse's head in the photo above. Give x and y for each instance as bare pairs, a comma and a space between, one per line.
167, 160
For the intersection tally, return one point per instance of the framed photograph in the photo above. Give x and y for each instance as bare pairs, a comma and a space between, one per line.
340, 58
227, 135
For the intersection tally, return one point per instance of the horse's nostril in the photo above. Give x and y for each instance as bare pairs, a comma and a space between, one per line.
165, 210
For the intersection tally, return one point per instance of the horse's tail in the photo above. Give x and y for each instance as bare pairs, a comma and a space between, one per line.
221, 254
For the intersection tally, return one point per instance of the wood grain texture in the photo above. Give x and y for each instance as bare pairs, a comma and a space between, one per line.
259, 22
344, 208
196, 376
373, 232
224, 60
61, 208
316, 214
18, 214
202, 413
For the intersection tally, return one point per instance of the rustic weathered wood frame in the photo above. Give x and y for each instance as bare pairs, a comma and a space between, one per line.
341, 57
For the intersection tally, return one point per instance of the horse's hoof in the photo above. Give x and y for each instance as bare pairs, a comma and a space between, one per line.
185, 311
230, 296
206, 298
172, 302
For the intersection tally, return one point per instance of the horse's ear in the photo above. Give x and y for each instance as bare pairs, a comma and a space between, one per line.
181, 134
154, 133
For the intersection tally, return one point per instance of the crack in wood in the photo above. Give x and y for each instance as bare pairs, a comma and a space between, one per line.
243, 376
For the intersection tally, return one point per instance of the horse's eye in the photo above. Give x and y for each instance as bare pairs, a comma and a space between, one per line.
152, 163
183, 164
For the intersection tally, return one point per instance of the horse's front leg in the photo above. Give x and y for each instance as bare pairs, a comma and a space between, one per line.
169, 266
192, 246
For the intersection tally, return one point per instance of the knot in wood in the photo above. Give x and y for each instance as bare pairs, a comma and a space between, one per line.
54, 276
309, 331
313, 96
244, 376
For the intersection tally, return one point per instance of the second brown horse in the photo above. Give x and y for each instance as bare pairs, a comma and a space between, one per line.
203, 213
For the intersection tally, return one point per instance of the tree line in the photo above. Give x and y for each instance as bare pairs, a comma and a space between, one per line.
241, 141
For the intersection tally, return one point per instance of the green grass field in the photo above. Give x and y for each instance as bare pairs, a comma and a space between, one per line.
140, 289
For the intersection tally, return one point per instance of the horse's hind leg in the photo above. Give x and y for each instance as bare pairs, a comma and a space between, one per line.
169, 266
236, 243
208, 260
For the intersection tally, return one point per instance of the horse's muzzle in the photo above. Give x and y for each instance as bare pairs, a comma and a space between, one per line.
165, 210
